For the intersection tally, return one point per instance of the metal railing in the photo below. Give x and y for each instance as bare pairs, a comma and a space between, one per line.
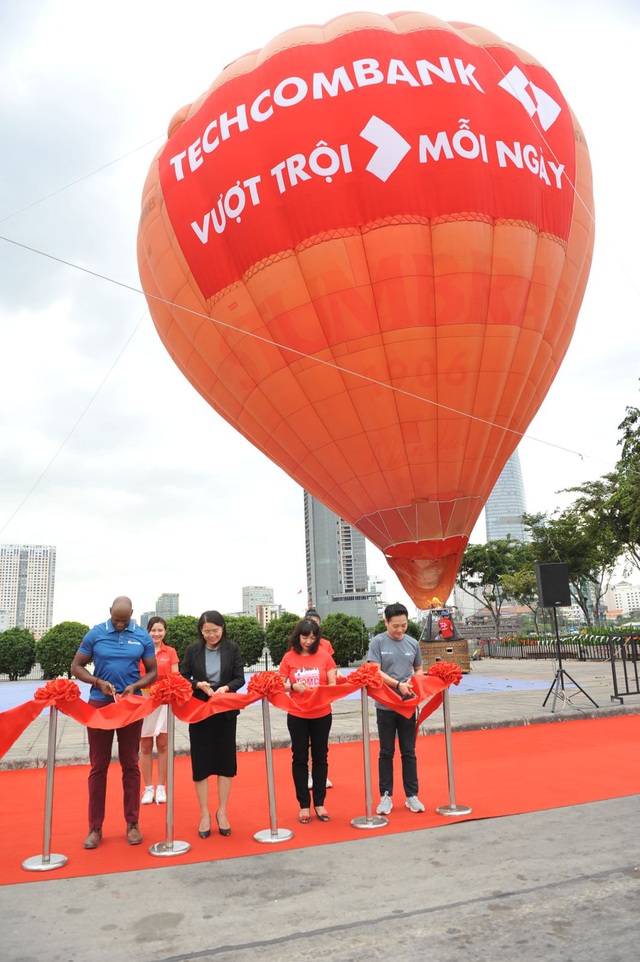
625, 657
594, 650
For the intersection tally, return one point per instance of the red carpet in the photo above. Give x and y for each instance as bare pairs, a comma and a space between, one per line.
502, 771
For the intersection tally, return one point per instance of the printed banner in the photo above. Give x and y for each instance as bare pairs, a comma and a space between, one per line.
372, 125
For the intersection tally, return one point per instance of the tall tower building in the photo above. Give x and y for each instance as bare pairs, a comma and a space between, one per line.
27, 582
168, 605
254, 596
506, 504
336, 565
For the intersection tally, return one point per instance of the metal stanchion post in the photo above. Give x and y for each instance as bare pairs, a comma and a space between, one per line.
272, 834
369, 820
170, 846
451, 808
46, 862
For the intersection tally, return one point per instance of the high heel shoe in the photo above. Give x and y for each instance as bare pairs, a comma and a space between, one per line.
223, 831
205, 833
324, 817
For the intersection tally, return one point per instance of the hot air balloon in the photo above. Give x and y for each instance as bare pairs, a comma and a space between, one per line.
366, 246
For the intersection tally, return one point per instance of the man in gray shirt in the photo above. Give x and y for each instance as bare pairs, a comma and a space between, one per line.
399, 657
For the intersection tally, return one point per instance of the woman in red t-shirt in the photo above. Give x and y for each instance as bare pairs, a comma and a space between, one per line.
155, 724
307, 665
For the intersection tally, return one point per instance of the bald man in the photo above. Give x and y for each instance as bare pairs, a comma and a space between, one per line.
115, 647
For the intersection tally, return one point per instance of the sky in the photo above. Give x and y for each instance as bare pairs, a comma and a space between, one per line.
106, 451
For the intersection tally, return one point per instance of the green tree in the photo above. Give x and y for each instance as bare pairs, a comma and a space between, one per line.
484, 566
17, 653
248, 634
585, 543
348, 635
182, 630
613, 501
57, 648
522, 587
626, 493
278, 633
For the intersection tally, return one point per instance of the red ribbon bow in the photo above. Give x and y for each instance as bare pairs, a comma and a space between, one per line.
448, 672
367, 676
59, 689
173, 690
265, 684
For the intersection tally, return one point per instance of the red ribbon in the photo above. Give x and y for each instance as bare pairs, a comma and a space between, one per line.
264, 684
367, 676
58, 691
173, 690
177, 692
447, 674
450, 674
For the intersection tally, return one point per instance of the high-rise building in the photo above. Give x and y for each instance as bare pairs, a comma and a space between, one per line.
336, 565
253, 596
506, 505
168, 605
267, 613
27, 582
144, 618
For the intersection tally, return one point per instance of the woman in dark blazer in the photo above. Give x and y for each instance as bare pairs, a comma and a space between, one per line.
213, 666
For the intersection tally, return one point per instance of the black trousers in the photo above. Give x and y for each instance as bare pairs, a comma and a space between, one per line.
390, 724
307, 732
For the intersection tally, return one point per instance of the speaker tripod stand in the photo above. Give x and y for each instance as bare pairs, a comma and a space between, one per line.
557, 685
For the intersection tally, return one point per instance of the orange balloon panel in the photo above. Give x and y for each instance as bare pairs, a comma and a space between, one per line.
366, 246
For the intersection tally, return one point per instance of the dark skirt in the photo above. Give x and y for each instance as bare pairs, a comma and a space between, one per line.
213, 746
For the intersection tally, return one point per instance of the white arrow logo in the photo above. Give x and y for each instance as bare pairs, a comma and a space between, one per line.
391, 148
533, 99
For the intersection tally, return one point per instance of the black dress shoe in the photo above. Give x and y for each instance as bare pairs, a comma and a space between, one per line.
207, 832
223, 831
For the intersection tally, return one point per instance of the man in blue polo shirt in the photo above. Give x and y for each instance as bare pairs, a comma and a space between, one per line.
116, 648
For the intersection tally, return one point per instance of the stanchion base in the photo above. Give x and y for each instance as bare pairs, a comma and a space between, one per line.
169, 848
280, 835
376, 821
453, 810
36, 863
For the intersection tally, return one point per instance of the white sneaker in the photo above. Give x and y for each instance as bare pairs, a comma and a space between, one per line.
329, 783
310, 781
385, 806
161, 795
414, 804
147, 795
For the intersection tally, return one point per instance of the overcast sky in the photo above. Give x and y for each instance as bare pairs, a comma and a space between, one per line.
106, 451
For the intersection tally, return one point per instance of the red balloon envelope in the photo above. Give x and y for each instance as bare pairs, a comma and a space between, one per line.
366, 246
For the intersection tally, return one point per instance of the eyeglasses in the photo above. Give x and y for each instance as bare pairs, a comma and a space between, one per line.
211, 631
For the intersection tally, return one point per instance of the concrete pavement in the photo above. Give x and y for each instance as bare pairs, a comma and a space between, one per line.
554, 886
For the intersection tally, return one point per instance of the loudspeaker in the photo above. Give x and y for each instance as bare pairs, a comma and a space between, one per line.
553, 585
